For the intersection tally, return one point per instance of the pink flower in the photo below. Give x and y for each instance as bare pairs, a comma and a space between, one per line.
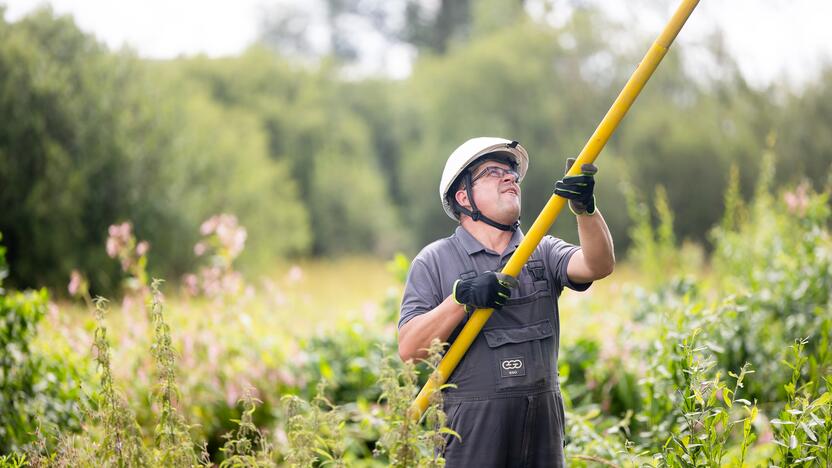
798, 201
119, 237
279, 298
200, 248
191, 284
237, 242
286, 377
75, 281
231, 235
126, 229
52, 308
120, 231
231, 282
209, 226
112, 247
295, 274
188, 355
370, 310
211, 281
142, 248
214, 351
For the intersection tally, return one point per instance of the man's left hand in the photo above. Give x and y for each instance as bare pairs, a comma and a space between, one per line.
578, 189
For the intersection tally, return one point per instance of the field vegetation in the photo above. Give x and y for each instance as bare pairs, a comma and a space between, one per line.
677, 362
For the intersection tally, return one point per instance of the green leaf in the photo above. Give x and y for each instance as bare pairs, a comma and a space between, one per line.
726, 395
448, 430
323, 453
823, 399
808, 432
326, 371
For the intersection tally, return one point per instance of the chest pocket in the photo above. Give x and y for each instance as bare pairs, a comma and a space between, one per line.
533, 284
522, 355
536, 269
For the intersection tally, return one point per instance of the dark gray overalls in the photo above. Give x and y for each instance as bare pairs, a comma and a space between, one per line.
506, 405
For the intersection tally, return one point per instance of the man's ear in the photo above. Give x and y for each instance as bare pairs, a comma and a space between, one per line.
462, 198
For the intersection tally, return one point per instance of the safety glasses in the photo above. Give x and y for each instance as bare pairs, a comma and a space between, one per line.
496, 171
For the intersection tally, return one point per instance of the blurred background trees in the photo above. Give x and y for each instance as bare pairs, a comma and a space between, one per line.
317, 159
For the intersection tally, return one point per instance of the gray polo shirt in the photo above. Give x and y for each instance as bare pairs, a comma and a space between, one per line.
436, 268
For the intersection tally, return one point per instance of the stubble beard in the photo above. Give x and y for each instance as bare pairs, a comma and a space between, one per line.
511, 209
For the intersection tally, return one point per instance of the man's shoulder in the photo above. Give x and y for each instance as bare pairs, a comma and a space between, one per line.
435, 250
549, 242
550, 245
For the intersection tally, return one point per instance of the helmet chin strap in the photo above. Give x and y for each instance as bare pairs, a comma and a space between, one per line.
476, 214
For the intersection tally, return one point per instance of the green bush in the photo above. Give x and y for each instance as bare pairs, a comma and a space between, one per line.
36, 390
778, 265
704, 357
348, 359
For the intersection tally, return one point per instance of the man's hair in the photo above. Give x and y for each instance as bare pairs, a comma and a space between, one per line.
459, 184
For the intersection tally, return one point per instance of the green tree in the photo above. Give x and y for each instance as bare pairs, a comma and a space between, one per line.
313, 132
61, 93
97, 138
803, 140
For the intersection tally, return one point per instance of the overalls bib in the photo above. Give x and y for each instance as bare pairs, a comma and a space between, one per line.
507, 405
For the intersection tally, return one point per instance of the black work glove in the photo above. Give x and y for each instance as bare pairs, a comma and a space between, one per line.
578, 189
489, 290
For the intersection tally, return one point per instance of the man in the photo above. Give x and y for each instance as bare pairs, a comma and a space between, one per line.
506, 405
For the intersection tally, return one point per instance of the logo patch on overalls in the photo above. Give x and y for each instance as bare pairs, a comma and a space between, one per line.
512, 367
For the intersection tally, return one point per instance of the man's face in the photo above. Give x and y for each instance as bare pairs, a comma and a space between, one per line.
496, 192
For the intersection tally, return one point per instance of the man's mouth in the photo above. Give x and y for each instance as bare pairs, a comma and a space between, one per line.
512, 190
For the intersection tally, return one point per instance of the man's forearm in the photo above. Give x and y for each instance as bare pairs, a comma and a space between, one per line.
596, 244
416, 335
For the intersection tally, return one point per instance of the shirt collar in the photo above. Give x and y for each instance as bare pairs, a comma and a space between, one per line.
472, 245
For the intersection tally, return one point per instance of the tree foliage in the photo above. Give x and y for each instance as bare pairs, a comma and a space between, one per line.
95, 137
314, 160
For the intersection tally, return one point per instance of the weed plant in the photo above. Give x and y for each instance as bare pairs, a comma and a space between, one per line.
247, 446
172, 437
803, 432
406, 441
121, 443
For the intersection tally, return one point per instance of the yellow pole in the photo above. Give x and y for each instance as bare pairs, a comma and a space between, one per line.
555, 204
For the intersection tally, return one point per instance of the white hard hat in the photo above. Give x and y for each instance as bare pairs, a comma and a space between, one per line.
472, 150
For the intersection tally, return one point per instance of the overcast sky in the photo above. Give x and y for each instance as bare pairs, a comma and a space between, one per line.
771, 39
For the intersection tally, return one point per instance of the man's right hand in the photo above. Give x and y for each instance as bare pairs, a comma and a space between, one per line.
489, 290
